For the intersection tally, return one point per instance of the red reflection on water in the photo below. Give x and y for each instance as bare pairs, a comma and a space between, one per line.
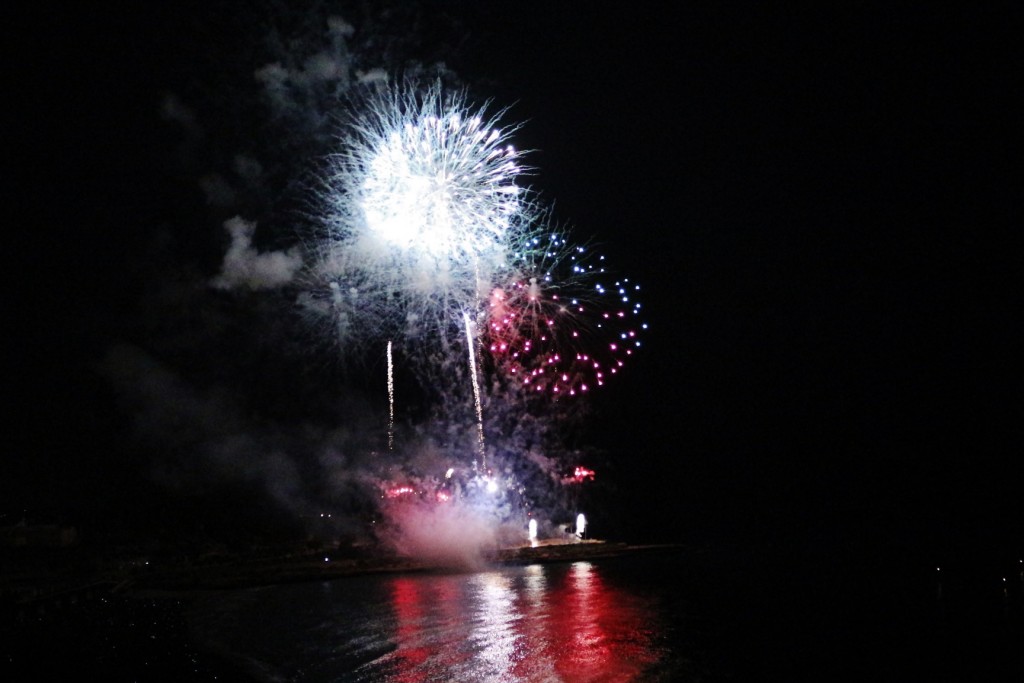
548, 623
411, 653
594, 632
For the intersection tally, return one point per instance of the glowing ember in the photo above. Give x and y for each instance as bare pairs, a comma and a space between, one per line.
581, 473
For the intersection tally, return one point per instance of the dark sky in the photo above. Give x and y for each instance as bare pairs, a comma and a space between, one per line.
817, 202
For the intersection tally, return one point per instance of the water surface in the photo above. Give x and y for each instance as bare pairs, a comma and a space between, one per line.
787, 613
576, 621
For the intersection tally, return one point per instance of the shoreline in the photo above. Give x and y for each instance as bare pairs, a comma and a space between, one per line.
25, 592
320, 568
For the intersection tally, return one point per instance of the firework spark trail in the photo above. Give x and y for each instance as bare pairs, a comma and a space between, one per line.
474, 380
391, 400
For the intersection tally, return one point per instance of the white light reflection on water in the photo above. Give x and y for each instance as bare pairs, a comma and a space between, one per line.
494, 625
539, 663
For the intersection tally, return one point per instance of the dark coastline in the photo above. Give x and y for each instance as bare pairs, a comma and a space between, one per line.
240, 573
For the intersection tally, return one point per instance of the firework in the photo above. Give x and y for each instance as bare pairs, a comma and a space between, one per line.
562, 331
581, 474
425, 197
436, 230
433, 247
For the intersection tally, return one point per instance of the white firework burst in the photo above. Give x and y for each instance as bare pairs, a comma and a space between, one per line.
430, 175
425, 195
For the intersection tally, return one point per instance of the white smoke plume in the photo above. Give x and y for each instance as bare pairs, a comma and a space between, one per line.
448, 535
245, 267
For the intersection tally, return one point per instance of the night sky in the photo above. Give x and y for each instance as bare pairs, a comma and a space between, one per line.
817, 203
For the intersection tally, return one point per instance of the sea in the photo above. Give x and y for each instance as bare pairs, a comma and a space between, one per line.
660, 614
743, 612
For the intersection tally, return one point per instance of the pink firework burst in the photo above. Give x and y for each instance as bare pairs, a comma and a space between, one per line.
564, 336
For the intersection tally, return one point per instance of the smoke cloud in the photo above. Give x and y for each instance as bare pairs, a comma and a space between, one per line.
245, 267
448, 535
